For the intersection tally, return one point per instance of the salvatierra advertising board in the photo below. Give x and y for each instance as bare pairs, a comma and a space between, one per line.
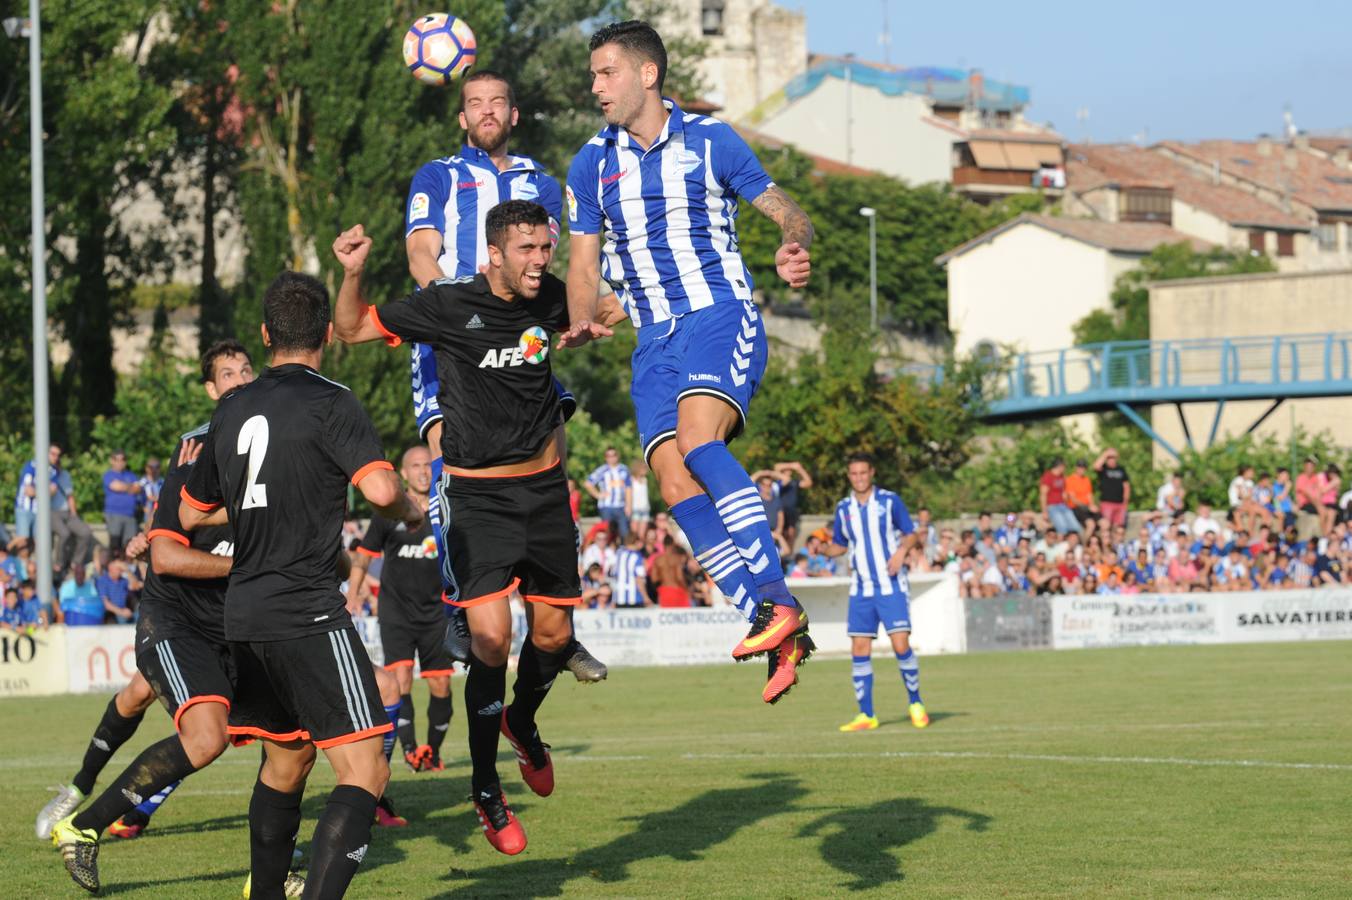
1133, 620
1288, 616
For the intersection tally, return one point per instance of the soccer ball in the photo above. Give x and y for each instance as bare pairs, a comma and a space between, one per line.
439, 48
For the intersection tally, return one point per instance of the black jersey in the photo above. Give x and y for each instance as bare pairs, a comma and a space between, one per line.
202, 600
280, 455
497, 391
410, 579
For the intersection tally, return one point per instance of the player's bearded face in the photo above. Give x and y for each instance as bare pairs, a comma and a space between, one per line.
525, 259
488, 117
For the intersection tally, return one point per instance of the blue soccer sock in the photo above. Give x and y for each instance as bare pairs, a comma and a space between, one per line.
699, 519
391, 713
739, 506
148, 806
910, 673
862, 673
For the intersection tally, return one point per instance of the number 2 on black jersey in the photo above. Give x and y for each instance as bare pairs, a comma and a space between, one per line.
253, 440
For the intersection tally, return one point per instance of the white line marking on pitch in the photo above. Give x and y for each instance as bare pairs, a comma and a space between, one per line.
1011, 757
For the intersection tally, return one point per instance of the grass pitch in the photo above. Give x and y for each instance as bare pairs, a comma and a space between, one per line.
1139, 772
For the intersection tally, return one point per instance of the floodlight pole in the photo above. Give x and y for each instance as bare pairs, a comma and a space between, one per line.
871, 214
41, 425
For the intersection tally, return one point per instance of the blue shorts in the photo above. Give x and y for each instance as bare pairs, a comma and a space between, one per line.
719, 351
426, 383
25, 523
891, 611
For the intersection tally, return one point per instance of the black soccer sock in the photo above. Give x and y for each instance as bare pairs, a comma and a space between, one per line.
274, 820
485, 689
408, 738
340, 841
158, 766
439, 710
114, 730
535, 673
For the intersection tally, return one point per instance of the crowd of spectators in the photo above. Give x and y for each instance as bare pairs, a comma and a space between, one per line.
1079, 542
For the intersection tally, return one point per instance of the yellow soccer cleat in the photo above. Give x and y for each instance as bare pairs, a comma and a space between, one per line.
919, 718
79, 851
861, 722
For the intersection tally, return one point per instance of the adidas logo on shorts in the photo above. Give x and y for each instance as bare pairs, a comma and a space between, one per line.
359, 854
475, 322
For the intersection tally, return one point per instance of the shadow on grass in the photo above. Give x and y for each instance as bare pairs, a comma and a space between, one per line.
160, 886
859, 841
223, 823
683, 834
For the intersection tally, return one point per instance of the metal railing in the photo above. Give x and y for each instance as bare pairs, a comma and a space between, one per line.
1103, 375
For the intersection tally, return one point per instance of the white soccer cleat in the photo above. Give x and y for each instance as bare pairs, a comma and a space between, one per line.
66, 801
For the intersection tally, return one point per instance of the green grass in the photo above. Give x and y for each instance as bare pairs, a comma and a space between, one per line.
1122, 773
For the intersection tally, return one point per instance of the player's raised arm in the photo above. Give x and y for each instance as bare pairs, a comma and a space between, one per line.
351, 322
382, 490
793, 262
584, 284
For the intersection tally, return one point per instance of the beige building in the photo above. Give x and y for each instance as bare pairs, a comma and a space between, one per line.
1309, 303
1023, 284
753, 47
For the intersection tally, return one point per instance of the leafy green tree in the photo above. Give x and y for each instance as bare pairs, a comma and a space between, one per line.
107, 128
1129, 316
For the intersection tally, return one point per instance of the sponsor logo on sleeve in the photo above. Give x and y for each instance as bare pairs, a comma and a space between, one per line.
572, 204
418, 207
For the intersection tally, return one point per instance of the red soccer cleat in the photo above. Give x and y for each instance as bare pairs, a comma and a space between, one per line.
774, 624
415, 759
125, 830
784, 664
537, 769
501, 828
386, 817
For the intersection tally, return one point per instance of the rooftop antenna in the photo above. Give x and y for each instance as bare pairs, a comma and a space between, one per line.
885, 38
1082, 116
1289, 123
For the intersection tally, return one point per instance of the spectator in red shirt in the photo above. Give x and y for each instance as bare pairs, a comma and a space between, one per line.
1052, 496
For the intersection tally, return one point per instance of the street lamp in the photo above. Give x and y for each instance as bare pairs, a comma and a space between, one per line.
871, 214
30, 29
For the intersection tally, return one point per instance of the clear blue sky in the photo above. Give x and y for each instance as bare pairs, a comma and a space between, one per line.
1184, 69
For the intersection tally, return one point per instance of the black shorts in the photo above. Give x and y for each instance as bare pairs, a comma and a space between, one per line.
316, 688
400, 640
505, 534
186, 669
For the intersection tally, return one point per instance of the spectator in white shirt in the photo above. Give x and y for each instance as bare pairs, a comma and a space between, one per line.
1202, 522
1169, 498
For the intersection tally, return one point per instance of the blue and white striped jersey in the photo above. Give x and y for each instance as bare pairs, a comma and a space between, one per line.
873, 532
29, 477
627, 577
454, 194
668, 214
612, 480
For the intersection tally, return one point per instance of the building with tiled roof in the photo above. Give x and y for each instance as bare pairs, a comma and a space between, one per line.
1026, 282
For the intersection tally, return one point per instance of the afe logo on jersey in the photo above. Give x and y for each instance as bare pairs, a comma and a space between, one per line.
426, 550
224, 548
532, 348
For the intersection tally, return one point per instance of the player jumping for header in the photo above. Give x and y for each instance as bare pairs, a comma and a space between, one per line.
507, 522
652, 206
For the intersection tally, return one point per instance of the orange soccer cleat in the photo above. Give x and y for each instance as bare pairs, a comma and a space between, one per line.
784, 664
774, 624
537, 769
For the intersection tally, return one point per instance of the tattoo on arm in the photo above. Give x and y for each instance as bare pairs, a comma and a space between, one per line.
780, 208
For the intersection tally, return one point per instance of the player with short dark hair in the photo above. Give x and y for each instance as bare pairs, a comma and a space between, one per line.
181, 656
278, 460
410, 613
508, 524
444, 237
875, 528
652, 207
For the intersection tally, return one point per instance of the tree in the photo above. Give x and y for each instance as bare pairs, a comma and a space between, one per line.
107, 128
1129, 316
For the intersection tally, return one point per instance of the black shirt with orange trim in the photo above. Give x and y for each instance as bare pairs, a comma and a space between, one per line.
280, 455
201, 602
410, 579
497, 391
